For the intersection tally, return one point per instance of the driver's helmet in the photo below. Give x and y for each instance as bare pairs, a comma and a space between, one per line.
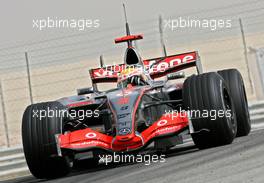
131, 76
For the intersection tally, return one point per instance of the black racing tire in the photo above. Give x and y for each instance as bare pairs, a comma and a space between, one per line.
39, 142
209, 92
236, 86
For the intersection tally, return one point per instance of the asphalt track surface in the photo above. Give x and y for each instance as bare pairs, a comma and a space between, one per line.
241, 161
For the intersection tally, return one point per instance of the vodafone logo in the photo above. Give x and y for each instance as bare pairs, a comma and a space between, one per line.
170, 63
162, 66
90, 135
162, 122
103, 72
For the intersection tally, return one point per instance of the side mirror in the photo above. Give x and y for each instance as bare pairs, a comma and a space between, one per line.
176, 75
83, 91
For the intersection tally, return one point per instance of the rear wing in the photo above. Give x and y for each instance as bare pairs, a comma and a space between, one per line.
157, 67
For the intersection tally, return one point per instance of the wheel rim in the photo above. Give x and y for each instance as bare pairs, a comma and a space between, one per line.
245, 98
228, 106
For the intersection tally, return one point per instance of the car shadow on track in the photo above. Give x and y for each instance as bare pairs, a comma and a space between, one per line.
82, 167
178, 151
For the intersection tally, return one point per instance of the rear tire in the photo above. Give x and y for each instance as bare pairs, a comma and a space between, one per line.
39, 143
209, 92
236, 86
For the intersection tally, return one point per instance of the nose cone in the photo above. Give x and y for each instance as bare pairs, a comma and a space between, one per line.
122, 138
127, 142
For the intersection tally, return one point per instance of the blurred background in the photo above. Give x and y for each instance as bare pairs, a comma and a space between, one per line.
37, 66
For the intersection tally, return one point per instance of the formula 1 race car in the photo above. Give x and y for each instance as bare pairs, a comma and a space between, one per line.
139, 110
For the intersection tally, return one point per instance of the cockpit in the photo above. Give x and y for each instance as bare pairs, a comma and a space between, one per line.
132, 75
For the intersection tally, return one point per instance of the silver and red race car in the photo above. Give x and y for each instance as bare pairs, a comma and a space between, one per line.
144, 106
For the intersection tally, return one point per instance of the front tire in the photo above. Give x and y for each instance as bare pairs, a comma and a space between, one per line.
39, 143
208, 93
236, 86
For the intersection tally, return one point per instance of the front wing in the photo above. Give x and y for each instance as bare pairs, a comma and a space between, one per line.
88, 139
